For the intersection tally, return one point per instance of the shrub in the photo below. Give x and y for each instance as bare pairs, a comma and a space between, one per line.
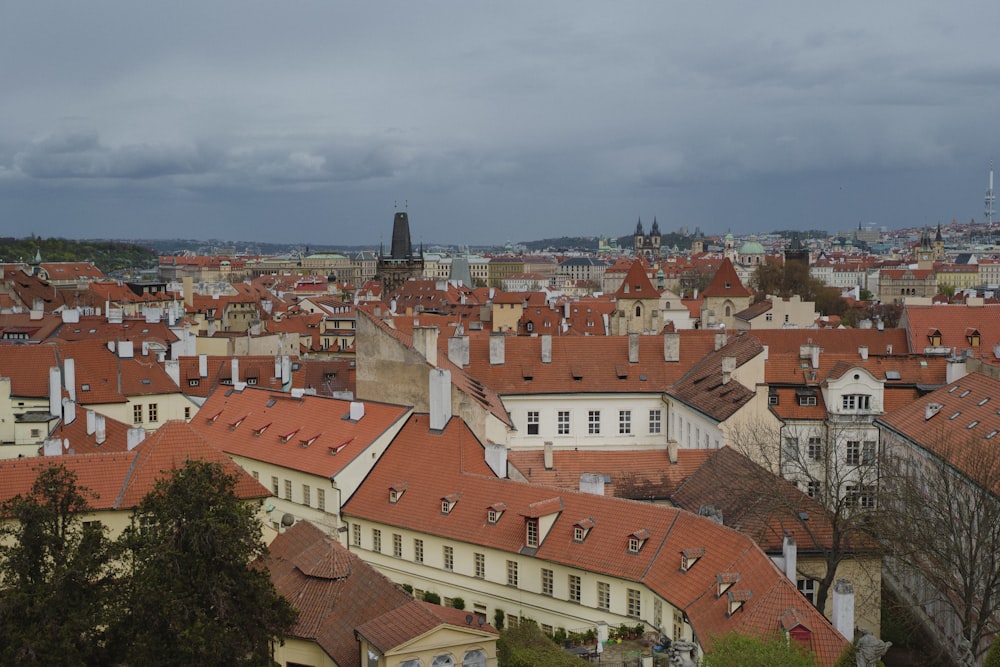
433, 598
458, 603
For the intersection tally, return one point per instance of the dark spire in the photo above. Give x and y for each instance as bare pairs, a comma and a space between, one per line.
937, 237
638, 228
655, 231
402, 248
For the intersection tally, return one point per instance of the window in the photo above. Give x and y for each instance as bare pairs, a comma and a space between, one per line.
449, 558
624, 422
678, 625
807, 400
634, 544
480, 566
546, 580
853, 452
772, 399
418, 551
531, 532
815, 450
36, 433
256, 475
357, 534
603, 595
813, 489
321, 499
860, 496
657, 612
475, 658
187, 413
443, 661
274, 486
533, 422
397, 545
634, 607
808, 588
512, 573
137, 414
655, 421
562, 422
306, 500
868, 452
574, 588
153, 413
594, 422
288, 489
856, 402
578, 533
790, 450
376, 540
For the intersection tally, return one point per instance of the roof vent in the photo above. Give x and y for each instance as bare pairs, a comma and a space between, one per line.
932, 409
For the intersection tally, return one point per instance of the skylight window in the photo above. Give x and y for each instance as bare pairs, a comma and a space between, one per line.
973, 424
955, 415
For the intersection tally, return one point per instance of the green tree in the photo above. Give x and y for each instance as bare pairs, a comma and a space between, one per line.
733, 650
993, 655
195, 597
57, 577
527, 646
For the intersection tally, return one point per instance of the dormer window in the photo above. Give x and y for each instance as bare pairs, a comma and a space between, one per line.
396, 492
448, 503
690, 556
494, 512
725, 581
531, 532
736, 600
581, 529
972, 336
934, 337
636, 540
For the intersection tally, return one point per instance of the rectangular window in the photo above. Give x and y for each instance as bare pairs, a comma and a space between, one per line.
860, 496
808, 588
807, 401
624, 422
574, 588
772, 399
288, 489
274, 486
546, 581
562, 422
868, 452
376, 540
321, 499
655, 421
512, 573
856, 402
357, 534
533, 422
813, 489
153, 413
594, 422
480, 566
603, 595
531, 530
449, 558
256, 475
657, 612
418, 551
634, 608
137, 414
187, 413
853, 452
790, 450
678, 626
397, 545
306, 499
815, 451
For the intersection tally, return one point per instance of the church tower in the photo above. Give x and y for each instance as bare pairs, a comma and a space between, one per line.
939, 245
402, 263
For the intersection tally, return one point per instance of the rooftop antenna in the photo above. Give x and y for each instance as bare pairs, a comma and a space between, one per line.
990, 198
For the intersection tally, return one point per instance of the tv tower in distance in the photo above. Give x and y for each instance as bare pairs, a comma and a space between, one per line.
990, 198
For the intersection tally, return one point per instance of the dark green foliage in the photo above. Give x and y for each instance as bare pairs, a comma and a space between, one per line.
993, 655
108, 256
790, 278
433, 598
458, 603
498, 617
194, 599
735, 650
527, 646
57, 578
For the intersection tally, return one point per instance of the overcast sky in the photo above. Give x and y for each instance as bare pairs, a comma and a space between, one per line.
307, 121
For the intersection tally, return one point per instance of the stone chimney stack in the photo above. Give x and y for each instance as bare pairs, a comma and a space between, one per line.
135, 437
633, 348
547, 349
425, 342
55, 391
547, 455
863, 351
458, 350
69, 368
672, 346
497, 349
100, 430
720, 340
440, 398
790, 551
728, 368
496, 459
843, 608
592, 483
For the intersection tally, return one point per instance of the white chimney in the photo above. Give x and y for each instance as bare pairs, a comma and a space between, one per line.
68, 411
790, 551
728, 368
955, 369
69, 368
815, 356
496, 459
91, 422
425, 342
52, 447
135, 436
102, 433
497, 349
440, 398
633, 348
672, 346
547, 349
71, 316
458, 350
592, 483
547, 455
357, 410
843, 608
672, 451
277, 366
863, 351
55, 391
173, 369
720, 340
234, 370
286, 369
203, 365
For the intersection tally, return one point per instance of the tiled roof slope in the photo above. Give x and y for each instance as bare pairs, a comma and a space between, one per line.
120, 480
256, 369
702, 387
954, 323
726, 283
637, 284
27, 366
300, 433
438, 465
585, 364
334, 590
962, 431
37, 330
81, 442
844, 341
103, 377
411, 620
136, 330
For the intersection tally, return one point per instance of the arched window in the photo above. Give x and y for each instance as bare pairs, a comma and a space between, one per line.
638, 311
475, 658
728, 311
443, 661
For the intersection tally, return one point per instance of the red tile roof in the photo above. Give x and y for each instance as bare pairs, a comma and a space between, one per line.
726, 283
704, 386
404, 623
636, 284
954, 323
27, 367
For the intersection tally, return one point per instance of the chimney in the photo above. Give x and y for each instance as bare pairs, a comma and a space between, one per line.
55, 391
277, 366
497, 344
720, 340
286, 369
425, 342
815, 356
843, 608
633, 348
592, 483
496, 459
357, 411
728, 368
68, 411
69, 379
134, 437
203, 365
187, 284
91, 422
458, 350
863, 351
440, 398
955, 369
931, 409
672, 451
790, 550
52, 447
234, 370
173, 369
547, 349
547, 455
102, 433
672, 346
71, 316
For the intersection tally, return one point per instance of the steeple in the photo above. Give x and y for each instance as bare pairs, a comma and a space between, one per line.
638, 228
402, 247
655, 231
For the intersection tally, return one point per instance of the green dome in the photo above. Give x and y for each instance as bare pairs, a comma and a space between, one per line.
752, 248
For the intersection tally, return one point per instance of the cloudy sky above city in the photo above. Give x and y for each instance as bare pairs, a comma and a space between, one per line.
309, 121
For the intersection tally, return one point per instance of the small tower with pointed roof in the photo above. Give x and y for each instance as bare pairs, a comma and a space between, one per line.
648, 246
939, 245
637, 302
924, 253
724, 297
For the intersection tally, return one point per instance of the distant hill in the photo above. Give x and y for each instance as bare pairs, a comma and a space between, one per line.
109, 256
